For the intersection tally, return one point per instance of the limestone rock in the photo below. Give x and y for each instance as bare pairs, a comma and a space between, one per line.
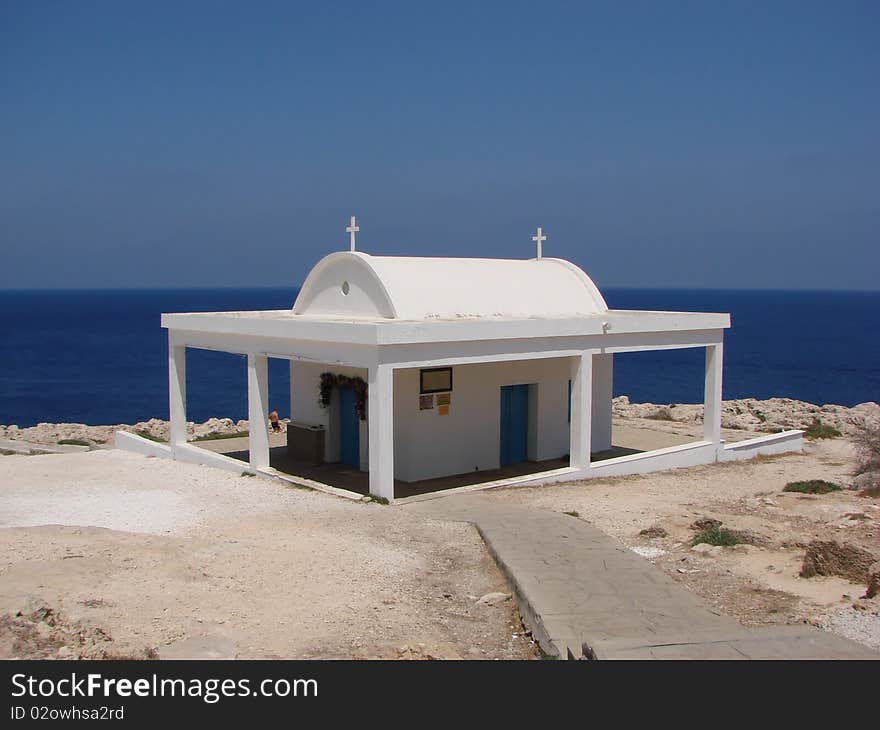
493, 599
769, 415
868, 480
744, 548
705, 549
705, 523
214, 427
833, 558
873, 580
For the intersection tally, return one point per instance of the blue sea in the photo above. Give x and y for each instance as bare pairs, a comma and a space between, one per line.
99, 357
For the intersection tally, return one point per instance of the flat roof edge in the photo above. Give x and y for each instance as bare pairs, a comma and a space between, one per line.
395, 332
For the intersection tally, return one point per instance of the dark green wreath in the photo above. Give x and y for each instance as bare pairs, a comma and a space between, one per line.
358, 385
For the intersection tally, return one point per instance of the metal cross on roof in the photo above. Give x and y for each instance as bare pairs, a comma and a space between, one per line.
352, 230
539, 239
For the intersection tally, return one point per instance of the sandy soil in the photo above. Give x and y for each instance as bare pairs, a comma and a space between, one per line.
108, 553
756, 584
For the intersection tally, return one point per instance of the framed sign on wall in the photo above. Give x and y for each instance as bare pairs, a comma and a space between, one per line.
435, 380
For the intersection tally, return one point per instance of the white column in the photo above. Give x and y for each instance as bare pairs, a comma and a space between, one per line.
603, 392
712, 394
176, 390
581, 410
258, 410
292, 416
380, 412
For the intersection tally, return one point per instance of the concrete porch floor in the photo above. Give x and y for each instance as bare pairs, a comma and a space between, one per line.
627, 440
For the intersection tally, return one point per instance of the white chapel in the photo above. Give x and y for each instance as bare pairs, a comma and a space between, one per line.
411, 370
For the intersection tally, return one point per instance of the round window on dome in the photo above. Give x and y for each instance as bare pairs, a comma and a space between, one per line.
346, 288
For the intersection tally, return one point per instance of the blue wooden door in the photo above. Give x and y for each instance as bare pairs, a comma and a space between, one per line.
349, 429
514, 424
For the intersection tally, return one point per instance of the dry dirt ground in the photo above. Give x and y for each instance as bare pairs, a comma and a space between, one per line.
757, 584
108, 553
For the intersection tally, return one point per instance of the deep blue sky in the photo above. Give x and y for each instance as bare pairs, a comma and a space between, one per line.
660, 144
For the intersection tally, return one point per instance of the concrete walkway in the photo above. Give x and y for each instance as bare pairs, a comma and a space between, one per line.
582, 594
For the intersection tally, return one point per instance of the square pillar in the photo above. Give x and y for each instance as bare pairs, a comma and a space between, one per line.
291, 411
176, 391
581, 410
603, 392
258, 410
712, 394
380, 413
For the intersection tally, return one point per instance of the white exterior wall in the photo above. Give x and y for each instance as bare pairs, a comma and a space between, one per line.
305, 380
428, 445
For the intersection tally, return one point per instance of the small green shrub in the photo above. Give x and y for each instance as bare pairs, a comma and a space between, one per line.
247, 474
378, 500
819, 430
813, 486
573, 513
716, 535
73, 442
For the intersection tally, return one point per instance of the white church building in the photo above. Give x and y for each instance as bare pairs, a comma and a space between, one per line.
415, 368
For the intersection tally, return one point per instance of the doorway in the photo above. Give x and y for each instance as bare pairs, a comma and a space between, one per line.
514, 424
349, 428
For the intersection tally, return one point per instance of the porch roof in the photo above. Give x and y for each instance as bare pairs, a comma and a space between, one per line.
382, 331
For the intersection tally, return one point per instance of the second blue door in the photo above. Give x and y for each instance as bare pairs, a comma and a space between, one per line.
514, 424
349, 429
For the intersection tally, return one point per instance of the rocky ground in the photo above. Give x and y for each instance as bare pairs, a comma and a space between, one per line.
111, 554
102, 436
761, 416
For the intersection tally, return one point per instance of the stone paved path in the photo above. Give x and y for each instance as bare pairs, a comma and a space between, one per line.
583, 594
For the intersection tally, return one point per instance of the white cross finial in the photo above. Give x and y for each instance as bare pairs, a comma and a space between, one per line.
351, 230
539, 239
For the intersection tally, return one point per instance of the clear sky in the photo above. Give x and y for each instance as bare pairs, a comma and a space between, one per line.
667, 144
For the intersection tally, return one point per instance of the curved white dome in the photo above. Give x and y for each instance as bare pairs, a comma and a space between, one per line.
357, 285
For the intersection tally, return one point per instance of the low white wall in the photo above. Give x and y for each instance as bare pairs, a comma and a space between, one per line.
677, 457
674, 457
186, 453
139, 445
777, 443
195, 455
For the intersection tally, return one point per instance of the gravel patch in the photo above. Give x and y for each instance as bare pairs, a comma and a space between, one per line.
118, 490
648, 552
861, 626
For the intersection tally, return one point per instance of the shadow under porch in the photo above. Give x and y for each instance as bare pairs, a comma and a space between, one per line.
627, 441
